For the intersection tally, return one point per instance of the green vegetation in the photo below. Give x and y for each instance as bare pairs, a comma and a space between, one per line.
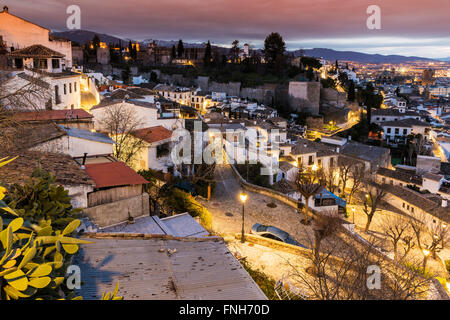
266, 283
41, 199
181, 201
34, 257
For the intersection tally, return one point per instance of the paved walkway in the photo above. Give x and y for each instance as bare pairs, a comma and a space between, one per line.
226, 209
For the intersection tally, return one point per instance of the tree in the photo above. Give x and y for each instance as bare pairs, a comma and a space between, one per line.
180, 49
311, 63
351, 91
126, 75
357, 176
174, 52
396, 228
340, 272
274, 47
308, 185
208, 54
120, 123
371, 100
374, 196
235, 51
96, 42
42, 199
25, 93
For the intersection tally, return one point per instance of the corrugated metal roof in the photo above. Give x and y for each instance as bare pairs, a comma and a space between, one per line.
203, 270
181, 225
88, 135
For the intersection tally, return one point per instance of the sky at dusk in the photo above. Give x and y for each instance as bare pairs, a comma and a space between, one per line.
408, 27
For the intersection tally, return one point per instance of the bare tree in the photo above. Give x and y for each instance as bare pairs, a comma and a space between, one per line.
430, 239
308, 185
341, 272
357, 176
121, 124
395, 229
23, 92
374, 196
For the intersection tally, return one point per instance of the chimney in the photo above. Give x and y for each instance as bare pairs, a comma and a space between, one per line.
444, 203
5, 9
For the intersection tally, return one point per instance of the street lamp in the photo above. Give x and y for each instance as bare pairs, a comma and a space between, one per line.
426, 253
243, 198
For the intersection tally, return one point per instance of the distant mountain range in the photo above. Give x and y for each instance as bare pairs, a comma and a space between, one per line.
83, 36
445, 59
329, 54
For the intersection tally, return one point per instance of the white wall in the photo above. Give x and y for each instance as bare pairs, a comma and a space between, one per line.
20, 34
75, 147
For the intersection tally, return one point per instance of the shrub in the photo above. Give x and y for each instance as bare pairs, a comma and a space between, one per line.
42, 199
181, 201
266, 283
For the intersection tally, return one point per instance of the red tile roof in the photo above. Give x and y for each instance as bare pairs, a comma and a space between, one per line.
55, 115
113, 174
153, 134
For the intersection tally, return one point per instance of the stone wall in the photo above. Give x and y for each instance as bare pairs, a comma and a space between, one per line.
304, 96
119, 211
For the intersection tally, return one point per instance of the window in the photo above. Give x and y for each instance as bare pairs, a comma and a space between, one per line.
320, 163
405, 132
397, 130
383, 179
70, 88
392, 182
65, 88
55, 63
310, 162
404, 205
407, 207
72, 107
389, 130
75, 86
40, 63
412, 209
331, 162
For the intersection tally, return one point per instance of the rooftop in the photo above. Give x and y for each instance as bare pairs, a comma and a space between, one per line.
153, 134
420, 201
401, 175
87, 135
407, 123
181, 225
200, 269
66, 170
36, 51
363, 151
54, 115
305, 146
113, 174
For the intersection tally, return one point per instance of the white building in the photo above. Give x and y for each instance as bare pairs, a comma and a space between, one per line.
19, 33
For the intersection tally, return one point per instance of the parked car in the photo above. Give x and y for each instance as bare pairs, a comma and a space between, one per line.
275, 234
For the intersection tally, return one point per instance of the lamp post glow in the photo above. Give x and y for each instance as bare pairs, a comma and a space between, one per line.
243, 198
426, 253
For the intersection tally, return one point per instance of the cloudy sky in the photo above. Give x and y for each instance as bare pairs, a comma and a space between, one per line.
408, 27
